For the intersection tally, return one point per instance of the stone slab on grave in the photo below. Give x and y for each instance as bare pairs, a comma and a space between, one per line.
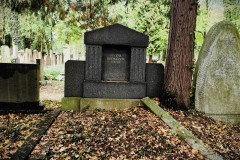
19, 86
121, 90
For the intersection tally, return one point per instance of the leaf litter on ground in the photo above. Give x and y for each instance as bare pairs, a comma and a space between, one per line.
133, 133
222, 137
14, 129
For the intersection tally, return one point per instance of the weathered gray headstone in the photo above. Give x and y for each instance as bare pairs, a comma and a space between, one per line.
218, 73
54, 59
66, 53
21, 56
19, 86
39, 55
30, 56
48, 60
35, 55
25, 56
5, 54
14, 54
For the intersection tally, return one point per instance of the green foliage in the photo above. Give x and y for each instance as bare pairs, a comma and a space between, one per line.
154, 21
232, 11
146, 16
52, 72
51, 24
204, 19
201, 29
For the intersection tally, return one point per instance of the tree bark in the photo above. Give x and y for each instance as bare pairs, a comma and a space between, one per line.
178, 70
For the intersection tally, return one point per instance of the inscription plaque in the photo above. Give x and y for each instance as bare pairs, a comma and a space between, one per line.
116, 63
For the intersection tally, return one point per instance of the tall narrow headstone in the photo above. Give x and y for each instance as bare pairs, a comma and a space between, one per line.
15, 53
48, 60
5, 54
40, 62
30, 56
61, 59
54, 59
218, 73
35, 55
25, 56
39, 55
66, 53
21, 57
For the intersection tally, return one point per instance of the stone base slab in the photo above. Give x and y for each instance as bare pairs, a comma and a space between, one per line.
79, 104
21, 106
70, 104
116, 90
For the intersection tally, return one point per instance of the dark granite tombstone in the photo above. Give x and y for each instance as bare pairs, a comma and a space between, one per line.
115, 67
154, 79
19, 86
74, 77
115, 63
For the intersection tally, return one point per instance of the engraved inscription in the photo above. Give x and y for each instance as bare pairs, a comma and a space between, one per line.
228, 40
115, 58
228, 67
115, 63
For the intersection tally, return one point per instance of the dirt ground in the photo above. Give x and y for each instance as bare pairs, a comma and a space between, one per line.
52, 90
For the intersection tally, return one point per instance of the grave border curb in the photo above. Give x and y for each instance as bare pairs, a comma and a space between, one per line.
181, 131
27, 147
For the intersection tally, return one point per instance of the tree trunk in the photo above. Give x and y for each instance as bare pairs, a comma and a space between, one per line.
178, 70
150, 58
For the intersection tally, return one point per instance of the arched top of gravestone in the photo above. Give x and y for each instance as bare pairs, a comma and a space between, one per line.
211, 39
116, 34
218, 71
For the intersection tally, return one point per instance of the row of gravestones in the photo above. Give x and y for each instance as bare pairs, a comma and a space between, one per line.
115, 68
29, 56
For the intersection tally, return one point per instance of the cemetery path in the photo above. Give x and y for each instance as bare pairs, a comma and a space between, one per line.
52, 90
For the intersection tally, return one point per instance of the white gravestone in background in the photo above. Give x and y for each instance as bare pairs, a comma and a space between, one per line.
218, 73
66, 53
5, 54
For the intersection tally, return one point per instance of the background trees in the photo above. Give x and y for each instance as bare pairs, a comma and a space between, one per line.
50, 24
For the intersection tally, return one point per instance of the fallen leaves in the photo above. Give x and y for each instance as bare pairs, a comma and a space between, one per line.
14, 129
129, 134
223, 138
133, 133
51, 104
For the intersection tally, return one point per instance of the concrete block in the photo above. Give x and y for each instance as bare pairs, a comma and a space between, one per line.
109, 104
70, 104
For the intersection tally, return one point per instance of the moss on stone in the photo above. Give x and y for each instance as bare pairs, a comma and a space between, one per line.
181, 131
70, 104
